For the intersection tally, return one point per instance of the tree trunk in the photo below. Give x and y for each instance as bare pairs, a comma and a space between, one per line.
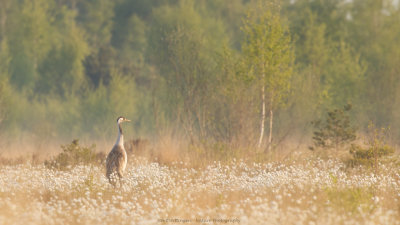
262, 117
271, 118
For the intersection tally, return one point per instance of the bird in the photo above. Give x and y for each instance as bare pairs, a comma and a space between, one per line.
117, 159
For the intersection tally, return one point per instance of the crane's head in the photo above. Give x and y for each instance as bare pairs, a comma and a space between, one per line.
122, 119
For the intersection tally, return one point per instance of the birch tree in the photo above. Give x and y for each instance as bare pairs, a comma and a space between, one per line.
268, 55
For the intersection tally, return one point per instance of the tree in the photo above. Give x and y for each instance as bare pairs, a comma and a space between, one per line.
374, 24
46, 47
343, 75
5, 6
29, 33
132, 46
99, 64
312, 54
61, 71
95, 16
4, 73
331, 13
330, 72
335, 132
182, 45
268, 54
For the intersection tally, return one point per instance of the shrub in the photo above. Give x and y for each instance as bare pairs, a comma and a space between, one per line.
376, 148
368, 156
74, 154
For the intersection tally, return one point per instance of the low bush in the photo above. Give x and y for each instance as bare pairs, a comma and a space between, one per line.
375, 150
369, 156
73, 154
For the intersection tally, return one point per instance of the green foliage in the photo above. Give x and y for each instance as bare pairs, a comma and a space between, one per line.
29, 34
68, 66
335, 132
268, 58
375, 151
133, 47
233, 114
4, 82
344, 71
268, 52
106, 103
184, 44
373, 25
99, 64
368, 156
73, 155
96, 19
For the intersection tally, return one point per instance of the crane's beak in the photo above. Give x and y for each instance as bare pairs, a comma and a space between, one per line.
126, 120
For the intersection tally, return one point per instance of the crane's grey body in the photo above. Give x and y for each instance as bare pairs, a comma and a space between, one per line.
117, 159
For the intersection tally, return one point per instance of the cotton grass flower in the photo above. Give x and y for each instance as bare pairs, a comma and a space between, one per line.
318, 191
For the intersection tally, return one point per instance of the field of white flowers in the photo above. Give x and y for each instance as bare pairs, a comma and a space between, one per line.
313, 191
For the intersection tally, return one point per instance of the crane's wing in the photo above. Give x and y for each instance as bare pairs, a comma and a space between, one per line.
115, 161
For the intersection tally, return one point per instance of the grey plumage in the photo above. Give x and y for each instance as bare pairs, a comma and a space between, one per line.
117, 159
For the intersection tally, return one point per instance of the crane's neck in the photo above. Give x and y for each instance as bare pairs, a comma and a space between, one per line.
120, 139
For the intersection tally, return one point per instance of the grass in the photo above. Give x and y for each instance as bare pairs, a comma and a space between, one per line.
278, 188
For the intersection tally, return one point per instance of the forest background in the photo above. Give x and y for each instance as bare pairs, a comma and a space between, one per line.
188, 69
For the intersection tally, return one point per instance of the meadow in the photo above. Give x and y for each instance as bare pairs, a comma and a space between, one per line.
301, 189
